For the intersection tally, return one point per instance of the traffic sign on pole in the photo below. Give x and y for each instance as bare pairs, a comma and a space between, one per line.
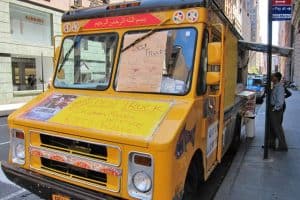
281, 2
281, 13
281, 10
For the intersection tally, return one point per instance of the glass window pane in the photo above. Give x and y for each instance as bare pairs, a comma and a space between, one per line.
86, 61
161, 62
24, 74
26, 22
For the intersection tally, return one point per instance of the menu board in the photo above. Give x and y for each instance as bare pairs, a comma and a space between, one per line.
113, 115
141, 65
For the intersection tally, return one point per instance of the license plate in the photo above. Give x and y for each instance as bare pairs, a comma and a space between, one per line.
59, 197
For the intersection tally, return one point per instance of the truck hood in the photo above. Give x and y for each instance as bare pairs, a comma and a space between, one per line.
114, 119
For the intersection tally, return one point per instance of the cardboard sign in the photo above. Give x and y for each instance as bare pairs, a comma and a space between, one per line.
121, 116
141, 66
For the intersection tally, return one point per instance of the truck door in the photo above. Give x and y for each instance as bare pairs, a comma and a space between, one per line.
215, 97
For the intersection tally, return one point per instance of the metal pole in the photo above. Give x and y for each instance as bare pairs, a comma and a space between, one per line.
269, 68
43, 81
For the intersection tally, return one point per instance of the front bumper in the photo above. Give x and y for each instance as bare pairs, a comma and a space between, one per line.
45, 186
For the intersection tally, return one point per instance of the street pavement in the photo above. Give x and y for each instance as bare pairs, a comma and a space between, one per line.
276, 178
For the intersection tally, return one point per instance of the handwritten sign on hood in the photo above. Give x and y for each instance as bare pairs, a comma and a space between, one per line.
114, 115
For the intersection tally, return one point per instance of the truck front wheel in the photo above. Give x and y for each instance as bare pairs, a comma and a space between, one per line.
194, 178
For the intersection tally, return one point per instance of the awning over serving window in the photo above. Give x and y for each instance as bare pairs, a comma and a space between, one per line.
253, 46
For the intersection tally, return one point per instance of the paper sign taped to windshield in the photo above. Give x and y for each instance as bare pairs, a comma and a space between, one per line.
121, 116
141, 65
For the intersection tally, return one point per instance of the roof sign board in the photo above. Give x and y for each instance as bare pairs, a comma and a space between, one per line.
281, 10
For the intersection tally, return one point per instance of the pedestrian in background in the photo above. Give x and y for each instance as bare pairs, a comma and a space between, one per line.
276, 115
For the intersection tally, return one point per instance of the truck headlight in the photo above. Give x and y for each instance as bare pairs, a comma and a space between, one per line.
142, 181
140, 175
20, 151
17, 146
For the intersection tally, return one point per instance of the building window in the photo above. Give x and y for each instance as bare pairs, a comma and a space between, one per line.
24, 74
30, 26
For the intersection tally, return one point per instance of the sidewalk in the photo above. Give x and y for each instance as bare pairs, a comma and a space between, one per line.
277, 178
9, 108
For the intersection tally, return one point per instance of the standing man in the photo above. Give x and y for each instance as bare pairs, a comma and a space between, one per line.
276, 115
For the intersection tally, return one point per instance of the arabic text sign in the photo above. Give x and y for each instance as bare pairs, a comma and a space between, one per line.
121, 116
122, 21
280, 13
141, 66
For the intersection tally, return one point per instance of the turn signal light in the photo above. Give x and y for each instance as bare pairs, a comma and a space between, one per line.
142, 160
20, 135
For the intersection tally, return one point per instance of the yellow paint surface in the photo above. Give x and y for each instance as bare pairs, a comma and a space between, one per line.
121, 116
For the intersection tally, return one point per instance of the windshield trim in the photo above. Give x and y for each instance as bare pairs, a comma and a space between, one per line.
156, 93
112, 66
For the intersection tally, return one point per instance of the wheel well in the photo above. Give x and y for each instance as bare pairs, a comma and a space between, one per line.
197, 157
194, 176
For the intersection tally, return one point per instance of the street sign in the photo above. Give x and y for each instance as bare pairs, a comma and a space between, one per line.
281, 13
281, 10
281, 2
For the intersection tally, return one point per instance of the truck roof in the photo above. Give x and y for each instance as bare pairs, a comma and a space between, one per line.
142, 7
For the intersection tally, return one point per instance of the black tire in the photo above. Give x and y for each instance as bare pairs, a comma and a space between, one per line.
194, 178
235, 143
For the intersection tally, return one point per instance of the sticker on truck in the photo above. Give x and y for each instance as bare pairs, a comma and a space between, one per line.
212, 138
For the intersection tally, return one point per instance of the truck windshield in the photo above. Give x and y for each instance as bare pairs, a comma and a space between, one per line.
160, 63
86, 61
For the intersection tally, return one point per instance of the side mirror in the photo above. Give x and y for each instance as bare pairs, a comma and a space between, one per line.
214, 53
212, 78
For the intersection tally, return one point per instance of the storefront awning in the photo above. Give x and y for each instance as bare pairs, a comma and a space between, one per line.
253, 46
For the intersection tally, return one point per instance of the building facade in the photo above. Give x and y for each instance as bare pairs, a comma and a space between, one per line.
26, 39
289, 36
295, 38
284, 33
243, 15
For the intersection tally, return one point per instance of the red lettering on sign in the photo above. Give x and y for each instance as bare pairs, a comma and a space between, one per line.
281, 2
122, 21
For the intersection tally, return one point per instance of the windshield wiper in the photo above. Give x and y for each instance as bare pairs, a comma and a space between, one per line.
75, 41
138, 40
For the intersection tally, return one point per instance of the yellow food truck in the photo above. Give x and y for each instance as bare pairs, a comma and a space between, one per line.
143, 104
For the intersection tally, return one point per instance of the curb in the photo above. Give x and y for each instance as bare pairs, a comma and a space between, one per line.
7, 109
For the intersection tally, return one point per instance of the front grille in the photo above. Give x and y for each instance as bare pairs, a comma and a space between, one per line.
71, 170
78, 161
77, 147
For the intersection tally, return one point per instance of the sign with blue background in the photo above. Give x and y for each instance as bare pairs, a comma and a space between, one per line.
281, 13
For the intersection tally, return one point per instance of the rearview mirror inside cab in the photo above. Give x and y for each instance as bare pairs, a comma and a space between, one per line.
61, 74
